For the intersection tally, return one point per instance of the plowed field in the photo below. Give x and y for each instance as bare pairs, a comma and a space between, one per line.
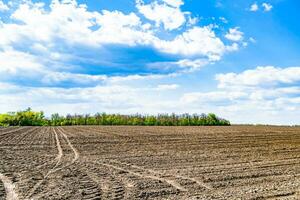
237, 162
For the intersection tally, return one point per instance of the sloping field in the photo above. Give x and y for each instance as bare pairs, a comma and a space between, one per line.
237, 162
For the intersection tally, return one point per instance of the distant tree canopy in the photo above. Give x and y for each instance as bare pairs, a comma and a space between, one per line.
31, 118
23, 118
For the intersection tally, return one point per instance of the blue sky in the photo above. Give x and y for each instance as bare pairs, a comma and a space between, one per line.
238, 59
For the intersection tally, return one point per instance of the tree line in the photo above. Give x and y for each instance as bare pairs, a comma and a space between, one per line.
32, 118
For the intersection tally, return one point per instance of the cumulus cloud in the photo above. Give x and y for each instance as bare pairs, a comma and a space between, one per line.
192, 64
261, 76
14, 62
56, 34
239, 103
50, 47
73, 100
267, 7
72, 23
53, 78
174, 3
212, 97
268, 89
168, 14
224, 20
272, 92
3, 6
136, 77
167, 87
251, 39
16, 65
113, 98
254, 7
235, 34
197, 41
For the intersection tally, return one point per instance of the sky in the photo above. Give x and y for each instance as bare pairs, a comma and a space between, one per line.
239, 59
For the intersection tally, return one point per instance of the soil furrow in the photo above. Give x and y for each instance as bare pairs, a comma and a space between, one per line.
146, 175
52, 170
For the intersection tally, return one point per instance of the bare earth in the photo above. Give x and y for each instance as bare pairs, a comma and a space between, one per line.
238, 162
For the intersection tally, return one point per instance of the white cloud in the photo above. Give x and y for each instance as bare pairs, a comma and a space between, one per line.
212, 97
254, 7
19, 65
107, 98
251, 39
130, 78
198, 41
113, 97
118, 28
267, 7
224, 20
193, 64
72, 23
171, 17
261, 76
52, 78
265, 95
3, 6
275, 104
191, 21
51, 37
174, 3
167, 87
270, 93
235, 34
15, 63
69, 25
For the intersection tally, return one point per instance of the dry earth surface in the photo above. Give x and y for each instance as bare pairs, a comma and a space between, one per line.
237, 162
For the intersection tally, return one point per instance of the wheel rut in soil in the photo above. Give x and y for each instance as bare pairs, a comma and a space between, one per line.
146, 175
9, 188
52, 170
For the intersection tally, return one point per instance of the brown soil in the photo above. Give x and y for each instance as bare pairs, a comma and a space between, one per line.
237, 162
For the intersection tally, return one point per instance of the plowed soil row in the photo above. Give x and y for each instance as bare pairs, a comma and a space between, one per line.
90, 162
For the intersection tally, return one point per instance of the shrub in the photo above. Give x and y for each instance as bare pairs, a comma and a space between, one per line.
31, 118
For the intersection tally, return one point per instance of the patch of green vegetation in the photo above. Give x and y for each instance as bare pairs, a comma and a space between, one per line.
23, 118
31, 118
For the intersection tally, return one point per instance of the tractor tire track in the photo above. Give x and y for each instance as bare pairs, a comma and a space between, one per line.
89, 183
89, 186
146, 175
58, 160
170, 178
180, 177
116, 190
59, 156
76, 154
113, 184
9, 188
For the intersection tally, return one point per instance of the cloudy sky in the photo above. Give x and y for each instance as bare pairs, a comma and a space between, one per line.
239, 59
